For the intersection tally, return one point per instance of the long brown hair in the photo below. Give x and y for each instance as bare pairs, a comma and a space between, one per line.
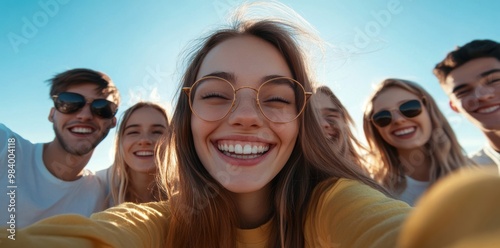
443, 149
351, 145
203, 212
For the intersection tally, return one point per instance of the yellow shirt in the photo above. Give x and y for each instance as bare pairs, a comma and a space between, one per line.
347, 214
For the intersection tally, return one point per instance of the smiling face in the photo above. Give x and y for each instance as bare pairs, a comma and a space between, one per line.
330, 116
244, 151
141, 133
80, 132
474, 90
403, 133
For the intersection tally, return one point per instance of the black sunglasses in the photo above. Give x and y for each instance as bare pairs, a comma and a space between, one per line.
69, 102
409, 109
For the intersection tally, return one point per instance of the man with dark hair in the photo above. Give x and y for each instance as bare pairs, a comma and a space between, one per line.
470, 75
42, 180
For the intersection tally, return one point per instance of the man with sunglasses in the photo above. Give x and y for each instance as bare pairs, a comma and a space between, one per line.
49, 179
470, 75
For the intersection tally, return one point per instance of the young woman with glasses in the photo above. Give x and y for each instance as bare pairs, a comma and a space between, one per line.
247, 164
411, 142
132, 177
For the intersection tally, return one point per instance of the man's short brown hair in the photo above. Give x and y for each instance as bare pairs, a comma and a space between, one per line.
461, 55
62, 81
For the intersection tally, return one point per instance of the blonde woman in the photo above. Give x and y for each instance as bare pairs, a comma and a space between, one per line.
411, 142
131, 178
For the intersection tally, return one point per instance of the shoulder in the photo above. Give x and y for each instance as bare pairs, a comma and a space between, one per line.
355, 195
461, 203
7, 135
104, 175
352, 214
481, 158
347, 188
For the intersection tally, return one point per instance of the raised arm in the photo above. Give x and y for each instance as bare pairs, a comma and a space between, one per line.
127, 225
351, 214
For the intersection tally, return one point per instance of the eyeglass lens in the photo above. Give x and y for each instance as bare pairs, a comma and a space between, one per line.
213, 98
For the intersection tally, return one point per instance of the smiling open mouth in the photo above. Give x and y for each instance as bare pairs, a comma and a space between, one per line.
81, 130
247, 150
144, 153
405, 131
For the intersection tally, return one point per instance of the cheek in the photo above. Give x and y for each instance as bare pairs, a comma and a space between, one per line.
127, 154
287, 133
107, 124
201, 131
468, 104
126, 144
58, 118
427, 129
197, 131
382, 132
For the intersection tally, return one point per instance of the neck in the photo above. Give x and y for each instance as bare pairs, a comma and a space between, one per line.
142, 185
493, 139
416, 163
254, 209
63, 165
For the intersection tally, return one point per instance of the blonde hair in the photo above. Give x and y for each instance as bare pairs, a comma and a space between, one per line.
203, 211
119, 179
444, 151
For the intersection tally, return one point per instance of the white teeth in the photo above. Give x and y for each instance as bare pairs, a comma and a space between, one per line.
144, 153
404, 131
247, 149
243, 150
238, 149
488, 110
81, 130
253, 149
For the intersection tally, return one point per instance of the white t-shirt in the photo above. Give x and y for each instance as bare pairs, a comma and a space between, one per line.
487, 156
414, 190
29, 192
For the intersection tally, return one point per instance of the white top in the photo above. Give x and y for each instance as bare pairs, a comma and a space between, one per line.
33, 193
487, 156
414, 190
104, 176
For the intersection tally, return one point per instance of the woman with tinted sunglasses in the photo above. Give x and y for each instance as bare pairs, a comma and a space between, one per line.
132, 176
412, 144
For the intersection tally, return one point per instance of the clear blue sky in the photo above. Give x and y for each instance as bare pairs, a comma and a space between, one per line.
138, 43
